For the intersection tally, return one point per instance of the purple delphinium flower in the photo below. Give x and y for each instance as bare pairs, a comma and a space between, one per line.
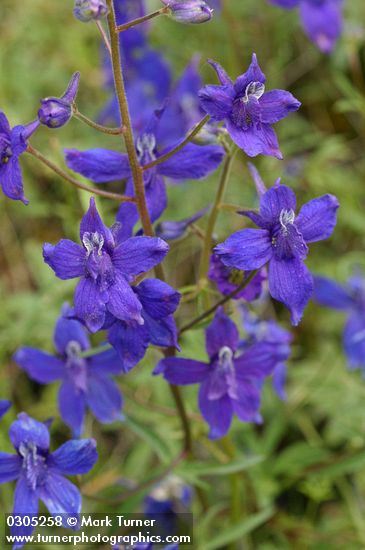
228, 280
166, 500
248, 111
4, 406
281, 242
230, 383
13, 142
57, 111
189, 11
321, 20
106, 268
271, 332
102, 165
86, 382
172, 230
90, 10
131, 340
351, 299
40, 473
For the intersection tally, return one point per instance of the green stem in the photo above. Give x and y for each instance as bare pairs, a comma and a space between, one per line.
114, 196
139, 20
138, 182
193, 132
221, 302
208, 241
137, 172
95, 126
95, 351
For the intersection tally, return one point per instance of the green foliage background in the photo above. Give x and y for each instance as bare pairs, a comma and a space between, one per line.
307, 489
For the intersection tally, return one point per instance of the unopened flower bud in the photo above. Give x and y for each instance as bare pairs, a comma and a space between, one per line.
191, 11
88, 10
57, 111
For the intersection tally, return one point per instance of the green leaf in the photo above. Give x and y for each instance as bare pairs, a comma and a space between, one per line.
298, 457
343, 467
235, 532
155, 441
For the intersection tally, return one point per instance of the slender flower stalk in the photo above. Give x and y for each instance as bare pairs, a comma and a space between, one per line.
104, 36
106, 194
137, 172
96, 126
208, 240
221, 302
139, 20
188, 138
138, 182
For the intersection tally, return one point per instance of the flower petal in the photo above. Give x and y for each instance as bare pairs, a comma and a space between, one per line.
27, 430
123, 302
25, 502
279, 380
106, 362
67, 330
130, 343
354, 340
276, 199
98, 165
170, 230
139, 254
156, 198
221, 73
39, 365
4, 124
291, 283
277, 104
162, 332
92, 223
4, 406
331, 294
317, 218
60, 495
67, 259
218, 412
11, 180
246, 249
322, 22
104, 398
257, 140
10, 466
71, 403
248, 401
180, 371
192, 162
222, 332
74, 457
157, 298
258, 361
90, 304
253, 74
217, 101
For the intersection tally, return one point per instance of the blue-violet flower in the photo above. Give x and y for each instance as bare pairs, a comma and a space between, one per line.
106, 267
281, 242
247, 109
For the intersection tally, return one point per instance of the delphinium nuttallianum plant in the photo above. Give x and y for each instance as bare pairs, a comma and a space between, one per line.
132, 332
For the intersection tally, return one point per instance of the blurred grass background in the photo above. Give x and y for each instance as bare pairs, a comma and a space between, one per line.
311, 482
